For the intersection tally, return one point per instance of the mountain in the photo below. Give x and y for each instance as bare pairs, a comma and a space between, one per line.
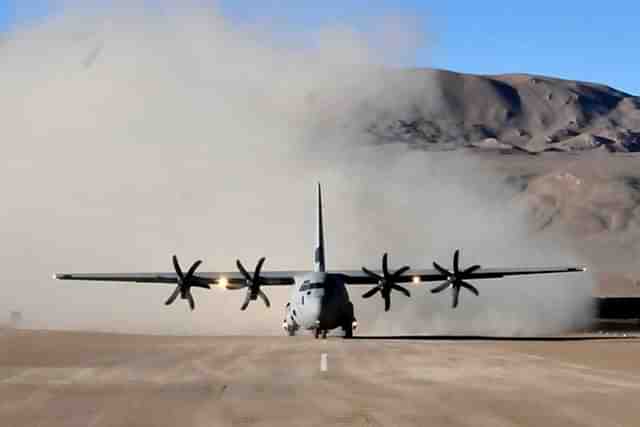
510, 112
565, 130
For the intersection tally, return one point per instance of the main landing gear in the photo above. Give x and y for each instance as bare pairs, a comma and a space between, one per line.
349, 328
351, 324
290, 329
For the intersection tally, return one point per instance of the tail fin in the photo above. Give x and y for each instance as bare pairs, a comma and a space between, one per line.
318, 259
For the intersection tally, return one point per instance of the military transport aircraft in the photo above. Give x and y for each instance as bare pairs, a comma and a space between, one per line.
318, 299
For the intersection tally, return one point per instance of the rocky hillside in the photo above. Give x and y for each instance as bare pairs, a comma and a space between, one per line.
595, 201
512, 112
590, 196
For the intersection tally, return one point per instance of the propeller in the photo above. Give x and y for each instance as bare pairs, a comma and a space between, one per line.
185, 283
386, 283
253, 284
456, 279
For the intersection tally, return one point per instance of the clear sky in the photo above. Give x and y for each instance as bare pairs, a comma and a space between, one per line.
583, 40
4, 14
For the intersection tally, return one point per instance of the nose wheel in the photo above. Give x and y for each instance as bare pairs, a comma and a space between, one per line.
319, 332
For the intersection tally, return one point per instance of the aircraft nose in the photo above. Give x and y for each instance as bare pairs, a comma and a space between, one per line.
312, 311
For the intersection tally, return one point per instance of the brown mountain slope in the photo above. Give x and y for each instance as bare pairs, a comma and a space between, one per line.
592, 198
513, 111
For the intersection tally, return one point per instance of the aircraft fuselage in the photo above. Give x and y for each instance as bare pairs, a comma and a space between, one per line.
319, 302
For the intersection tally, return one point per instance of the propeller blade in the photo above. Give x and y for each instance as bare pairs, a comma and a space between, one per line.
386, 282
441, 288
264, 298
441, 269
192, 302
456, 262
371, 273
456, 296
256, 273
401, 271
385, 265
173, 296
247, 300
176, 266
401, 289
371, 292
193, 269
470, 270
470, 287
244, 272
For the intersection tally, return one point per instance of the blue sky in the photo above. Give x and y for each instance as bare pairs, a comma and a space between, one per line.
583, 40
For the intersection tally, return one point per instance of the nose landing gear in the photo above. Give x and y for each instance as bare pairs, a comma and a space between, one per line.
319, 331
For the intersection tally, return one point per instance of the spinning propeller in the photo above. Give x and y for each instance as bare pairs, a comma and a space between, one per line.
253, 283
456, 279
185, 283
386, 283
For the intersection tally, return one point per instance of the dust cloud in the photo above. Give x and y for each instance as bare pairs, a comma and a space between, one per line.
132, 133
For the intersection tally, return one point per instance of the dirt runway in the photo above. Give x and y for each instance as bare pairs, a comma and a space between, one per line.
89, 379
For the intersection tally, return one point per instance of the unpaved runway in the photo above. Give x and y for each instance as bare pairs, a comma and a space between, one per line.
88, 379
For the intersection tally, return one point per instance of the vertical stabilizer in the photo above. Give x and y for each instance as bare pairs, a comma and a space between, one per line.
318, 257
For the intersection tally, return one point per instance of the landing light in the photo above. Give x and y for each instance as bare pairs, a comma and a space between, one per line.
223, 282
416, 279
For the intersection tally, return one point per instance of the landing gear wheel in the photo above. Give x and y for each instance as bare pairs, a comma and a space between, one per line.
348, 325
317, 333
348, 330
291, 332
324, 334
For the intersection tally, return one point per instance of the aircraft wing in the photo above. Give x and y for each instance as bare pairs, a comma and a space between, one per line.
204, 279
357, 277
283, 278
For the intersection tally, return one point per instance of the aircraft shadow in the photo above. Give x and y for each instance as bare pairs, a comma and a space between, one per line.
492, 338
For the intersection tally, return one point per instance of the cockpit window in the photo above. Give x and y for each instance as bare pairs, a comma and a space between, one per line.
309, 286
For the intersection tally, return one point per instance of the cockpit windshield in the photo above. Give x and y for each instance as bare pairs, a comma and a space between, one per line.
308, 286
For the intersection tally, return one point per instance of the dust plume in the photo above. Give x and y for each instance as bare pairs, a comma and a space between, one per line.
132, 133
